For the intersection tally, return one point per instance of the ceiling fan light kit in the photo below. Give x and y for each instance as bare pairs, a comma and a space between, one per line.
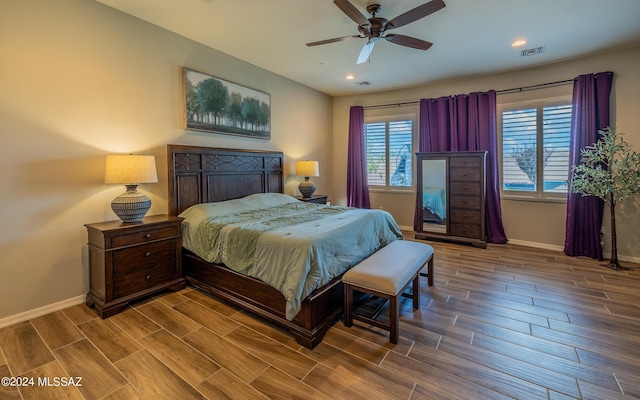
375, 28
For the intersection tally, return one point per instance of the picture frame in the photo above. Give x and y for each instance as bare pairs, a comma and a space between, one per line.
215, 105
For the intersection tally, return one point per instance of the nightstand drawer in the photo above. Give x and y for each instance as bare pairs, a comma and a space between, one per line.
317, 199
145, 236
139, 256
143, 278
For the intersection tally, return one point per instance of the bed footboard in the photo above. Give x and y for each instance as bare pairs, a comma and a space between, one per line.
320, 310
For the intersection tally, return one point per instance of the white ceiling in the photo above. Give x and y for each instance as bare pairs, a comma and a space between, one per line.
469, 36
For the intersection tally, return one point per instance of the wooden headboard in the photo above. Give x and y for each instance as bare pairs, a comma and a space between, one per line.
206, 174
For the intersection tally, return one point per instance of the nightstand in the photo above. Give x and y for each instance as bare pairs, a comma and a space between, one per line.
128, 261
318, 199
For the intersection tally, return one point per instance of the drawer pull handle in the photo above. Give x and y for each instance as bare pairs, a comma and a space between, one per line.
148, 254
148, 235
464, 188
465, 174
465, 202
147, 277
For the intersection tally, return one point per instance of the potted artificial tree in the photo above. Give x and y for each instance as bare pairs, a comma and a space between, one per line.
609, 170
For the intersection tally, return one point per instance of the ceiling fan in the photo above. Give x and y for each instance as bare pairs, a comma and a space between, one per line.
375, 28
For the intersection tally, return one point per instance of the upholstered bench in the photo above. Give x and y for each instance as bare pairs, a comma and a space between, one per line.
387, 273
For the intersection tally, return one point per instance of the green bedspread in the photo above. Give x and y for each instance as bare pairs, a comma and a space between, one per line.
293, 246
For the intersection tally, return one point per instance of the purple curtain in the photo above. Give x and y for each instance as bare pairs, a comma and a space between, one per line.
590, 113
465, 123
357, 185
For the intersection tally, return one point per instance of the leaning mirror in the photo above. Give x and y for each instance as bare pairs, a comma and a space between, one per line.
434, 196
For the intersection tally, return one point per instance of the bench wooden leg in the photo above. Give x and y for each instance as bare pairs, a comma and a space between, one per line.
394, 319
348, 305
416, 292
429, 273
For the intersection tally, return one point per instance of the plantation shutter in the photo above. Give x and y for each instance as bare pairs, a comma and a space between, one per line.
376, 148
400, 153
556, 140
519, 144
389, 153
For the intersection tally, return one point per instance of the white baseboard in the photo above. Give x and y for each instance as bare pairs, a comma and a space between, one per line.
635, 260
537, 245
622, 257
552, 247
37, 312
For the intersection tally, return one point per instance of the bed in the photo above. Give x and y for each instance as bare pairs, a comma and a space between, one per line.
201, 176
434, 204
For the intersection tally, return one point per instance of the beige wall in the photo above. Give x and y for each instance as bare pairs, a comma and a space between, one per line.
79, 80
533, 223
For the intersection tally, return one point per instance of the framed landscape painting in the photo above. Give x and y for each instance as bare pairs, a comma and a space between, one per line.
218, 106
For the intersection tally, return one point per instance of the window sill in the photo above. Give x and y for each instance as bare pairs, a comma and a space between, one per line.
392, 191
534, 199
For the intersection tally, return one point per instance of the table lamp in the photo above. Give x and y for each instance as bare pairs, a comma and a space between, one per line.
130, 170
307, 169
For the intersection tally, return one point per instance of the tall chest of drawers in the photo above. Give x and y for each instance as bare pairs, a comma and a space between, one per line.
128, 261
466, 196
462, 177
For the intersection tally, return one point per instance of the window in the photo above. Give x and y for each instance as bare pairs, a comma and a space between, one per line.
389, 147
535, 151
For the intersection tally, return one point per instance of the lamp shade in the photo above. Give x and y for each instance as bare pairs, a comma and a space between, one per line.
307, 168
129, 169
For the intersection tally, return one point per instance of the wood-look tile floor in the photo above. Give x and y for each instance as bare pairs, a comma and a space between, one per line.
502, 322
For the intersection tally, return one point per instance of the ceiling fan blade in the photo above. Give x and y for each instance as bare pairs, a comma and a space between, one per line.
334, 40
365, 52
415, 14
409, 41
351, 11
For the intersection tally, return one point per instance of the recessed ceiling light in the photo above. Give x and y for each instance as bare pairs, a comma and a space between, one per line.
349, 77
518, 43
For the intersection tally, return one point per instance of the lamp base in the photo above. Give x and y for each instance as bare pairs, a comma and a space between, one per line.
306, 187
131, 205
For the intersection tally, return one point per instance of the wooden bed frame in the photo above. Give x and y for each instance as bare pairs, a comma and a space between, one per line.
429, 216
204, 174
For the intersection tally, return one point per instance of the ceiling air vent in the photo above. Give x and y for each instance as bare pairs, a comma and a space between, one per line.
532, 52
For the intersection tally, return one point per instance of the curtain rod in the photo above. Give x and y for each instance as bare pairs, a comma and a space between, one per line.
503, 91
